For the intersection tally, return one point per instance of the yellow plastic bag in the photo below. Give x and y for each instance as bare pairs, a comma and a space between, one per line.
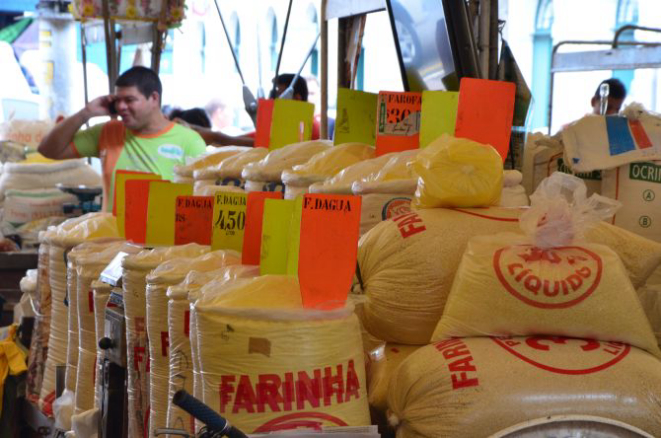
327, 163
268, 364
479, 386
170, 273
271, 167
135, 270
12, 360
182, 329
342, 181
457, 172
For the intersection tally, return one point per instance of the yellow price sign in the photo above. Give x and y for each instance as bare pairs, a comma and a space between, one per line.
229, 221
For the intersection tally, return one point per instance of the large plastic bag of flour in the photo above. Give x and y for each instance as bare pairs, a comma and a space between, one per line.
457, 172
170, 273
407, 264
550, 281
268, 364
605, 142
383, 365
342, 181
180, 326
101, 293
479, 386
23, 206
211, 190
229, 170
636, 185
89, 227
650, 298
387, 192
41, 331
265, 175
134, 283
323, 166
72, 256
47, 175
185, 173
89, 265
543, 155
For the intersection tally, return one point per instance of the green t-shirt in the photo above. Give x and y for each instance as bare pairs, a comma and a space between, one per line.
121, 149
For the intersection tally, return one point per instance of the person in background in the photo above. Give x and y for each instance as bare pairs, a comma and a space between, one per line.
616, 95
221, 117
301, 93
194, 116
143, 140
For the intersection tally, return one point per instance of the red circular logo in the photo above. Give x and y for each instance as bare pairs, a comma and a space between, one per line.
552, 278
396, 207
565, 355
300, 420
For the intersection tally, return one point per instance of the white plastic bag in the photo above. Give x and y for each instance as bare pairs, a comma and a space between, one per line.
561, 211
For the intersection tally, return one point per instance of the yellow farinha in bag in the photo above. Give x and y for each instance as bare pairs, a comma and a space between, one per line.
170, 273
507, 286
548, 282
180, 326
477, 387
135, 269
268, 364
457, 172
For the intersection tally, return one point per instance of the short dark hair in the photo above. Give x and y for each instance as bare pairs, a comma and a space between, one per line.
300, 87
194, 116
144, 79
616, 89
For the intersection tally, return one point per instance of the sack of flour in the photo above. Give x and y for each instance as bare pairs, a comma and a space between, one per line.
170, 273
342, 181
266, 175
407, 264
550, 281
180, 326
383, 365
229, 170
477, 387
457, 172
185, 173
268, 364
323, 166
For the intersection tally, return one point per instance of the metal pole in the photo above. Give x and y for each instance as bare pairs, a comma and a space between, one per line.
229, 41
282, 46
324, 71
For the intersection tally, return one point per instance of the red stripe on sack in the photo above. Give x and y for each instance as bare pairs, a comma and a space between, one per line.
187, 323
639, 134
90, 301
484, 216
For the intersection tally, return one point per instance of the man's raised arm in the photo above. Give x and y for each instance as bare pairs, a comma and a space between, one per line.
56, 144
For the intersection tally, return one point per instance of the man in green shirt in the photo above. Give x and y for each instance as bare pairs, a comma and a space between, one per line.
144, 140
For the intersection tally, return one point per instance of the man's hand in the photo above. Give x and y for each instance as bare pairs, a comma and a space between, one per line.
56, 144
100, 107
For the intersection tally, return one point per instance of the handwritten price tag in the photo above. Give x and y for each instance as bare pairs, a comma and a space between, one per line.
193, 218
229, 221
398, 121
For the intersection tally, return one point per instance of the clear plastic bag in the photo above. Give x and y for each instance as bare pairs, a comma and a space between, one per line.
561, 212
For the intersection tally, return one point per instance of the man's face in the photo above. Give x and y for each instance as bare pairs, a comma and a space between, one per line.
613, 107
135, 109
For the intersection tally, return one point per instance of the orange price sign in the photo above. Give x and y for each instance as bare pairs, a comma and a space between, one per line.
135, 206
252, 236
328, 249
485, 112
193, 220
